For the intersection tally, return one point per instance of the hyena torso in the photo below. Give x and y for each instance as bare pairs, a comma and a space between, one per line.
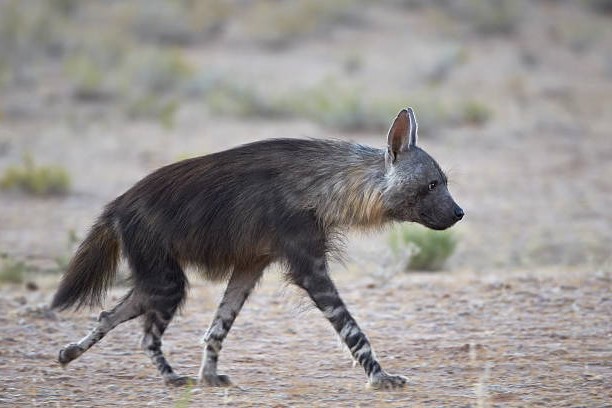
233, 213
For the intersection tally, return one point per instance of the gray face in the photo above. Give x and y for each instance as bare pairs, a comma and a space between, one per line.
418, 192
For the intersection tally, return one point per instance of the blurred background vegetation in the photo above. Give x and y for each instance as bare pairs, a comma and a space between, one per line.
136, 59
95, 94
132, 59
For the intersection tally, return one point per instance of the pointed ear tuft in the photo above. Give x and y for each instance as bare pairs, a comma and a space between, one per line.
414, 128
397, 139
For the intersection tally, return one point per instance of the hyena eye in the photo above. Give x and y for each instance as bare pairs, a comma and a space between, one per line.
432, 185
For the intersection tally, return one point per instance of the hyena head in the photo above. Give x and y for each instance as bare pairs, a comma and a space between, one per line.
416, 188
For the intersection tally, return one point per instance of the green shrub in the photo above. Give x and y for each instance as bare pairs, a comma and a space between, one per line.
153, 71
36, 180
429, 249
341, 107
475, 113
11, 271
229, 98
148, 83
333, 104
86, 75
328, 103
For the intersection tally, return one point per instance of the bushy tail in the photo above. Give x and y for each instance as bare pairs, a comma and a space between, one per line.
92, 269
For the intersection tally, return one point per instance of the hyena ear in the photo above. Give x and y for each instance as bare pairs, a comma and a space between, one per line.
402, 135
414, 129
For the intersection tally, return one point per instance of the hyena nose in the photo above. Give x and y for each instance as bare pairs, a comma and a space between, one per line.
458, 213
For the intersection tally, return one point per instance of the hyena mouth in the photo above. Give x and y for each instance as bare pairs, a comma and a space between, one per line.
436, 225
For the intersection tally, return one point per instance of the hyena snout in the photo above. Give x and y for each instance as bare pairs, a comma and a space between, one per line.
441, 214
458, 213
449, 217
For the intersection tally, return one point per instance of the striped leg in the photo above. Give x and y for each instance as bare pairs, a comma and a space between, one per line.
127, 309
163, 302
238, 290
155, 325
311, 274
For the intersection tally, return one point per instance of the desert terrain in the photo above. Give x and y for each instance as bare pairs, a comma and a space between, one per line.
514, 100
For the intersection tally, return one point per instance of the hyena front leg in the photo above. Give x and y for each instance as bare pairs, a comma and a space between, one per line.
239, 288
310, 273
129, 308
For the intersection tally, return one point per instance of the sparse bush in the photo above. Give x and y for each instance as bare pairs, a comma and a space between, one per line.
162, 109
341, 107
151, 83
430, 248
148, 82
278, 24
11, 271
155, 71
230, 98
475, 113
36, 180
177, 22
32, 32
490, 16
29, 32
329, 103
87, 77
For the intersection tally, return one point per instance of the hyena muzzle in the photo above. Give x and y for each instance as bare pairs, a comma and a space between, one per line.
233, 213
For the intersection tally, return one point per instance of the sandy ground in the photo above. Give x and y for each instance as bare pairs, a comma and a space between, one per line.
520, 316
525, 339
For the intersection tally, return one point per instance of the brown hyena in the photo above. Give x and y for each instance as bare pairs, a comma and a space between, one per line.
233, 213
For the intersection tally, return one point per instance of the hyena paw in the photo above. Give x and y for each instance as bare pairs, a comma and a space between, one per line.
384, 381
69, 353
215, 380
179, 380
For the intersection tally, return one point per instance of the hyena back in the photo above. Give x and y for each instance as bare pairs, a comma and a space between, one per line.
233, 213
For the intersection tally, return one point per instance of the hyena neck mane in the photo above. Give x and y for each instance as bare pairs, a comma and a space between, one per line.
347, 191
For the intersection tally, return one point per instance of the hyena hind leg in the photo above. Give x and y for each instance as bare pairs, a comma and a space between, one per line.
129, 308
239, 288
162, 303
